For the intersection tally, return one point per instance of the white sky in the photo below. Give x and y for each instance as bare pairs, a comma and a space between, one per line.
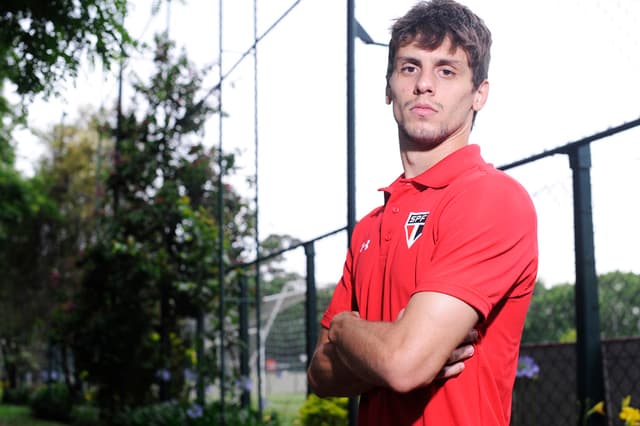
560, 71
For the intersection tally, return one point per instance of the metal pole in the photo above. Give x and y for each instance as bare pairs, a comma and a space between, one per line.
221, 307
351, 125
245, 397
258, 296
200, 394
311, 306
589, 356
351, 151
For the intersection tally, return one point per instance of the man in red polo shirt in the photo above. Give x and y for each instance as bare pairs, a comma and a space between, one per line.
453, 248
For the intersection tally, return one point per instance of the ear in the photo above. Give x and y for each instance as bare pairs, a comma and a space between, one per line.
387, 95
481, 95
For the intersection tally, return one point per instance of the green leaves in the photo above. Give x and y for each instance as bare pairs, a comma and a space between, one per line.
551, 316
43, 41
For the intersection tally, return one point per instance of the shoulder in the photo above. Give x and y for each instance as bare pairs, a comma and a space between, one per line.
488, 199
491, 187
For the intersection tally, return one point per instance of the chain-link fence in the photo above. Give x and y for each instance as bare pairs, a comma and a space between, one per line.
548, 397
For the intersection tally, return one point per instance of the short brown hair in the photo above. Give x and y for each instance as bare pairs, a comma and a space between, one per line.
431, 22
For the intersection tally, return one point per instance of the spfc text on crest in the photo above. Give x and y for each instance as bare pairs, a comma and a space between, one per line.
414, 225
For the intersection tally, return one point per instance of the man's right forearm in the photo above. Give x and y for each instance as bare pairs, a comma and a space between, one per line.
328, 375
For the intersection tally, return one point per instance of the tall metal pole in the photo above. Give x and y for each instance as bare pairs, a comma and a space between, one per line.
245, 370
311, 305
351, 115
351, 154
221, 307
589, 356
258, 295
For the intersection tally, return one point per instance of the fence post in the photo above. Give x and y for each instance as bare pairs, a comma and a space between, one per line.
311, 305
589, 354
245, 397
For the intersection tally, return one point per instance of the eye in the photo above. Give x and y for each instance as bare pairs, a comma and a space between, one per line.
447, 72
408, 69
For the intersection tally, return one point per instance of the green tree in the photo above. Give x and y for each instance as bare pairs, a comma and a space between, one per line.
551, 316
619, 295
155, 266
44, 41
24, 284
41, 246
551, 313
74, 184
274, 275
41, 43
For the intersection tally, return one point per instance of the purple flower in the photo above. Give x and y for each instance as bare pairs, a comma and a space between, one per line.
244, 383
527, 367
194, 412
49, 376
190, 375
163, 375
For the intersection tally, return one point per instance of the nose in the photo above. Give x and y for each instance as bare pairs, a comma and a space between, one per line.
424, 84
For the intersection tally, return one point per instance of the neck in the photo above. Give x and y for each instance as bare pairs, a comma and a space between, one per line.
416, 159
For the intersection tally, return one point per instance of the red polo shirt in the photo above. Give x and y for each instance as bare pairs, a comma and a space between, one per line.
465, 229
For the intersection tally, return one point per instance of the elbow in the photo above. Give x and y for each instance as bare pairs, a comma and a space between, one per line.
404, 373
316, 386
403, 383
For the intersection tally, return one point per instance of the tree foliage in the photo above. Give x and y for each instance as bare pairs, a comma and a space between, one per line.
154, 266
112, 250
551, 316
43, 41
42, 244
25, 285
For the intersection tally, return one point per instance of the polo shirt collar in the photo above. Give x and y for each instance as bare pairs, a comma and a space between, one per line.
443, 172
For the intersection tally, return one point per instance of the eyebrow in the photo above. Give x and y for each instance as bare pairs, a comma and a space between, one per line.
452, 62
439, 62
409, 59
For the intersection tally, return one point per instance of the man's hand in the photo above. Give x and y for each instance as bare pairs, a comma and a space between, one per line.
455, 362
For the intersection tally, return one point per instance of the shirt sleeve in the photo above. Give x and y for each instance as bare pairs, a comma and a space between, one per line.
342, 295
485, 244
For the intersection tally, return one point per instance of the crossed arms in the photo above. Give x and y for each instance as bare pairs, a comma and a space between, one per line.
429, 340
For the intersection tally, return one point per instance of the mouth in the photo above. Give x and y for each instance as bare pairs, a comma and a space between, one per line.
423, 109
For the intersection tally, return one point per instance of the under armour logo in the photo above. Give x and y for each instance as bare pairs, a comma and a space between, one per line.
364, 246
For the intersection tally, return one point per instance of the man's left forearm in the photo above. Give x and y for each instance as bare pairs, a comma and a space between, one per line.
360, 345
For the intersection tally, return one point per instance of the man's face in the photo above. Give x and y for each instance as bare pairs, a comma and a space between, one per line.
432, 93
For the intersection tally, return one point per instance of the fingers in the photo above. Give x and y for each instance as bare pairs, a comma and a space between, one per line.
455, 362
460, 354
451, 370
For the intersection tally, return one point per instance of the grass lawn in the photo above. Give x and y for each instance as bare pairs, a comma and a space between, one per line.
19, 415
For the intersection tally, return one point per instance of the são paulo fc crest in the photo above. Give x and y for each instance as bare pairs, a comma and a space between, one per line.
413, 226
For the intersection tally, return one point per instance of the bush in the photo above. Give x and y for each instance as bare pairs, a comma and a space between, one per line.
17, 396
161, 414
182, 414
85, 415
52, 402
318, 411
